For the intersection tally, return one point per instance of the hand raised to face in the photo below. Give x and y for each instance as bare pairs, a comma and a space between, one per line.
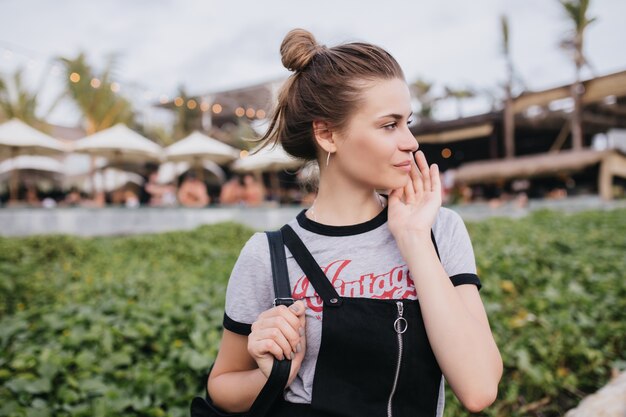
414, 207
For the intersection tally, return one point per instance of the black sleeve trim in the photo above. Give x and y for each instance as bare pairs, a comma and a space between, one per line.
461, 279
236, 327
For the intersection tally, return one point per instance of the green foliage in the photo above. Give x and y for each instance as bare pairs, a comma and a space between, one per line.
101, 105
555, 295
16, 101
111, 326
128, 325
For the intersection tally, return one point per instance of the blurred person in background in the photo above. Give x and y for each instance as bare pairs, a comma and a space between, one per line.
232, 192
193, 192
253, 191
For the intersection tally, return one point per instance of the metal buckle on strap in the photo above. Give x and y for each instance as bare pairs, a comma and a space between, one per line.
283, 301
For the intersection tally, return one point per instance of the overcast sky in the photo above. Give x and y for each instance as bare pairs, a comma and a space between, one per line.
211, 45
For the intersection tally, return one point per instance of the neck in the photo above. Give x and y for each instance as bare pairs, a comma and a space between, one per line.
340, 202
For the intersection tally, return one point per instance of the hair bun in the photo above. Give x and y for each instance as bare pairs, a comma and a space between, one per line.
298, 49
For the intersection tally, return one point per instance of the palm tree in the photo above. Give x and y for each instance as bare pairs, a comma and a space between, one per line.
188, 114
18, 102
459, 95
422, 91
509, 117
96, 95
576, 11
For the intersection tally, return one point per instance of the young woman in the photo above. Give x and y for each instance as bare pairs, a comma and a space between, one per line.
404, 309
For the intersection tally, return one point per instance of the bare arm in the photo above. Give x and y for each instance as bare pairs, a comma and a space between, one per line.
235, 380
457, 328
455, 319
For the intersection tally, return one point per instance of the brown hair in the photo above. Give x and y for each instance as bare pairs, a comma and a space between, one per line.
326, 85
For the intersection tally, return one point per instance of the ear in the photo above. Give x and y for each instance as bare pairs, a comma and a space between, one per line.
324, 136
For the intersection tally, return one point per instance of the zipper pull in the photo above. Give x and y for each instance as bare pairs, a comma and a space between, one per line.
400, 325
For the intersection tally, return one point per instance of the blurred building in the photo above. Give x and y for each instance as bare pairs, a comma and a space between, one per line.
473, 149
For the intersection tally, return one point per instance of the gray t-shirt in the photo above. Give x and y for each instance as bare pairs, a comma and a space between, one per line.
360, 260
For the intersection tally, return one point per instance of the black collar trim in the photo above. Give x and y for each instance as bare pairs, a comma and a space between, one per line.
349, 230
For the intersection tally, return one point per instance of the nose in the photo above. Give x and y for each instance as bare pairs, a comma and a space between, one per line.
408, 142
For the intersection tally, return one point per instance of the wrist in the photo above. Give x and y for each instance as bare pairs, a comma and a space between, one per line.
414, 243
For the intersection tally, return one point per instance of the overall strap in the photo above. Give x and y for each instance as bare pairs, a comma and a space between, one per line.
280, 275
310, 267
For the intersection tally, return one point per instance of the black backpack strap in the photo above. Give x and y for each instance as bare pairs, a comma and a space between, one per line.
279, 376
310, 267
280, 275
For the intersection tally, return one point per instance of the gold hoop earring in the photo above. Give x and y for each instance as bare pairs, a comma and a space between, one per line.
328, 158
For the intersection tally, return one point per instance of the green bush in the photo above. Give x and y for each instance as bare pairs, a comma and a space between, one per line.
555, 295
128, 325
112, 326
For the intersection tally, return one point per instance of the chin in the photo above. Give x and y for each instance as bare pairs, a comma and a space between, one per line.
387, 186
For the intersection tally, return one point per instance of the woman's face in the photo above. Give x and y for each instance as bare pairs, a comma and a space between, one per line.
375, 149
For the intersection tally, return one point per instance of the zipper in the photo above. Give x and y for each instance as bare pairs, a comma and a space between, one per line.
399, 325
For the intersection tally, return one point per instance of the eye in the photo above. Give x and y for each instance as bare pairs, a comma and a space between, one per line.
410, 122
390, 126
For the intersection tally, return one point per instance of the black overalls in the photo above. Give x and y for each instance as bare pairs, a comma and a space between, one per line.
374, 357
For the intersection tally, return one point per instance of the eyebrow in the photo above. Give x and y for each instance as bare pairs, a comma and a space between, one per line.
396, 116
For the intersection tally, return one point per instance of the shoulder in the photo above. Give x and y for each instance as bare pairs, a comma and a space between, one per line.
256, 248
250, 287
447, 221
454, 247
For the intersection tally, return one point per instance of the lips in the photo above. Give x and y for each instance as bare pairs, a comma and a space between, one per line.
404, 166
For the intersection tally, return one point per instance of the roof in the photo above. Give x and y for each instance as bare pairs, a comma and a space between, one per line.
529, 166
596, 89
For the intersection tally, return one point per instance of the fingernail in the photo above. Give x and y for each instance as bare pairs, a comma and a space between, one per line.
298, 348
301, 331
294, 307
292, 355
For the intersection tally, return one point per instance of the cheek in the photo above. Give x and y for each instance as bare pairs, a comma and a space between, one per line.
371, 161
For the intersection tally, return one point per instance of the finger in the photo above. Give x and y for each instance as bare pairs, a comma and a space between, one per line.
409, 191
269, 346
395, 196
414, 175
277, 336
262, 347
282, 311
301, 346
298, 308
288, 330
424, 170
435, 178
419, 181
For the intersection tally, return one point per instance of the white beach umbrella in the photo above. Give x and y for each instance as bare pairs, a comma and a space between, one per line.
271, 158
32, 167
169, 171
198, 147
17, 138
35, 163
123, 148
107, 179
119, 144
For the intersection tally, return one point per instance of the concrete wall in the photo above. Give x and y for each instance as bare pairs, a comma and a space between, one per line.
123, 221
